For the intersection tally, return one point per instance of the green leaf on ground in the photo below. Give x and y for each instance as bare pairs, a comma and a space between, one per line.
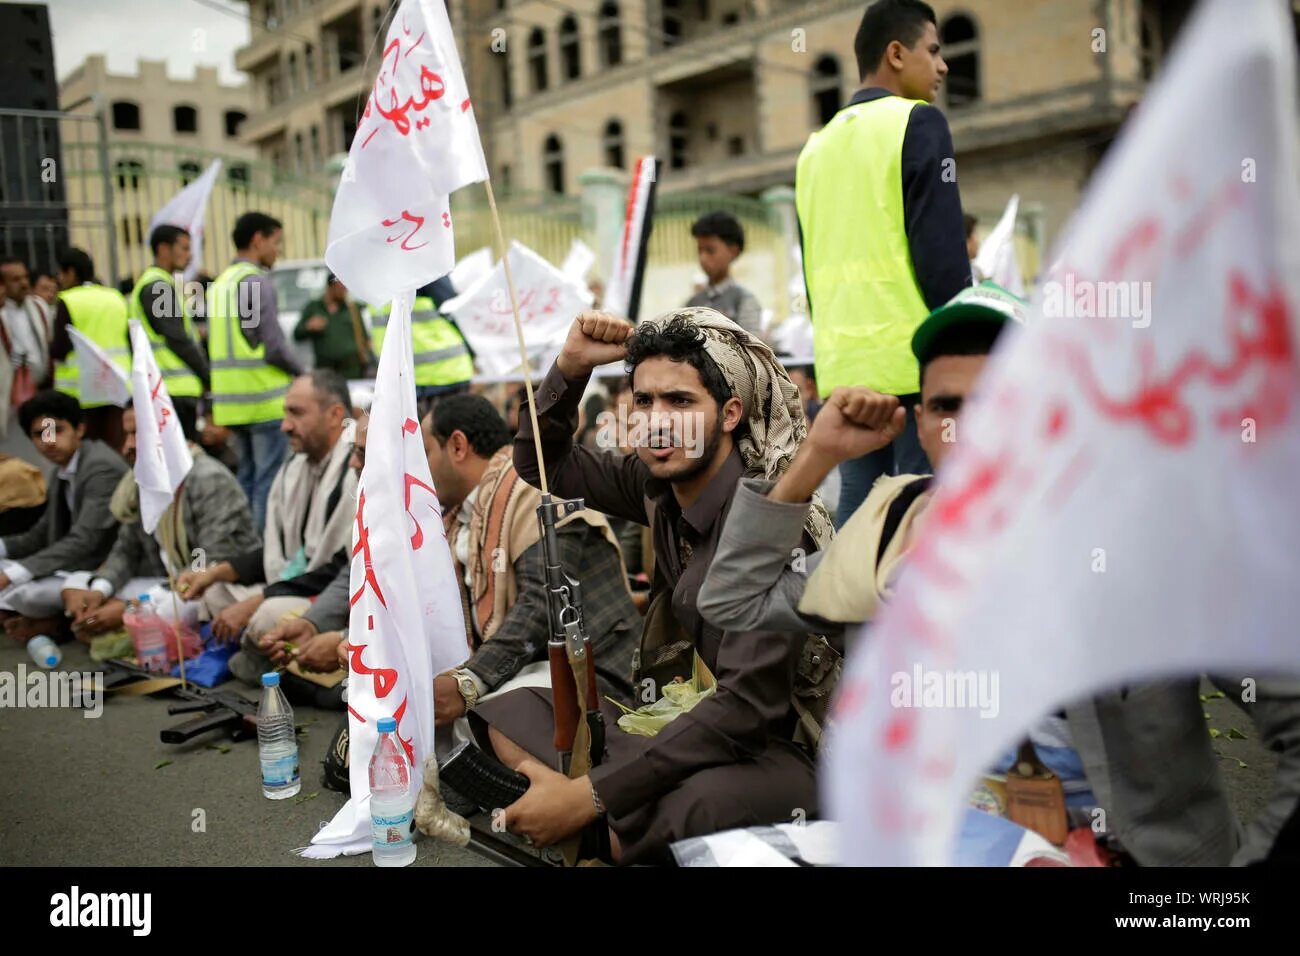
303, 798
221, 748
161, 763
1235, 734
1213, 732
1205, 714
1214, 695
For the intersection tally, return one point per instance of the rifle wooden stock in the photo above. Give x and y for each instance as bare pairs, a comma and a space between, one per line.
564, 695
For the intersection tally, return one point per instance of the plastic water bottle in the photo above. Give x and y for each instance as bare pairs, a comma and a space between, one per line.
277, 745
392, 807
44, 651
148, 635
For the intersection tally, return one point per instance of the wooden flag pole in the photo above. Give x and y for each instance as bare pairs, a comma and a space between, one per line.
177, 508
519, 333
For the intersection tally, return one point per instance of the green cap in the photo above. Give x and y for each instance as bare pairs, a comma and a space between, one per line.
986, 302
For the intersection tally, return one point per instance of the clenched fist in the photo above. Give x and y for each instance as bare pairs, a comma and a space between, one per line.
855, 421
596, 338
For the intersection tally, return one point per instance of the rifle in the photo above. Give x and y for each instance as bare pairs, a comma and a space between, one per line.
569, 644
216, 710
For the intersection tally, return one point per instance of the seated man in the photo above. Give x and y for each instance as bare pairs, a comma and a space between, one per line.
1141, 753
309, 516
216, 524
713, 406
490, 514
77, 528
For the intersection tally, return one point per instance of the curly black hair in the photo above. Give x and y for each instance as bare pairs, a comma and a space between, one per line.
681, 340
49, 404
475, 418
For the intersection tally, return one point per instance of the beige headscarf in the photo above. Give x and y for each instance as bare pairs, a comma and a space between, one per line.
773, 408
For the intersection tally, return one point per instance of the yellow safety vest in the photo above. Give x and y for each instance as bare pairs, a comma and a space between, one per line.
245, 389
180, 380
441, 356
862, 291
98, 313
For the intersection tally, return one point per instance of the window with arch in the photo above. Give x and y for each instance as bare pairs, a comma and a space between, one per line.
671, 30
503, 77
128, 173
126, 115
315, 155
553, 163
827, 93
960, 42
678, 140
613, 143
237, 175
291, 82
309, 65
537, 58
570, 54
299, 153
234, 120
190, 171
185, 119
609, 34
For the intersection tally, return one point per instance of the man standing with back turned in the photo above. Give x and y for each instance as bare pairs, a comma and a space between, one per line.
881, 226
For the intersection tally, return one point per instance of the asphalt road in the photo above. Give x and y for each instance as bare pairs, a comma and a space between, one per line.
90, 792
97, 792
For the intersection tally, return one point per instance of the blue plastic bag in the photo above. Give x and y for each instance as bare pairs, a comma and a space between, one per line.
212, 667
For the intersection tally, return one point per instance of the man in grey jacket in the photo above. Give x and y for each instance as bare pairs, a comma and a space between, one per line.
77, 528
1145, 749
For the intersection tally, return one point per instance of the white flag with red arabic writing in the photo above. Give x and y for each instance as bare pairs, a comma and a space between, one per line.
548, 300
1121, 505
162, 453
406, 622
99, 378
417, 143
187, 209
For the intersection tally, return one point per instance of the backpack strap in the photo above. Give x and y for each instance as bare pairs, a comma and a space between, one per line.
897, 508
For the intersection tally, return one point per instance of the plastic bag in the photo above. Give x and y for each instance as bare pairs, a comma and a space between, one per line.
677, 699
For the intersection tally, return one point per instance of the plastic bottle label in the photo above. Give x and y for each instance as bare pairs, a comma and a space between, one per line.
280, 771
391, 830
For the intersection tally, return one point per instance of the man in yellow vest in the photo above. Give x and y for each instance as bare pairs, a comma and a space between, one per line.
157, 300
99, 313
252, 364
444, 362
881, 226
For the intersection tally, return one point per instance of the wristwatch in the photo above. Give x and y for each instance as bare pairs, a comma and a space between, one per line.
467, 686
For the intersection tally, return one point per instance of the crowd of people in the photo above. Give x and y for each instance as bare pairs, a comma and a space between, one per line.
704, 543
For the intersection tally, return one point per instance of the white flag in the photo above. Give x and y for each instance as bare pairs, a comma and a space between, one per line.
187, 210
99, 379
996, 259
406, 623
162, 455
469, 269
579, 261
417, 144
548, 301
1122, 504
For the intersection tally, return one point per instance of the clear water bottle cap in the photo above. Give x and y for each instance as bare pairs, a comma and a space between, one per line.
271, 679
386, 725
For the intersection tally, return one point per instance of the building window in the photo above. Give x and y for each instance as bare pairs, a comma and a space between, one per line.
503, 67
677, 141
570, 55
613, 143
237, 175
299, 153
315, 147
126, 115
826, 92
309, 65
291, 74
185, 119
960, 42
190, 171
672, 23
234, 120
537, 59
505, 178
736, 146
611, 36
128, 173
553, 163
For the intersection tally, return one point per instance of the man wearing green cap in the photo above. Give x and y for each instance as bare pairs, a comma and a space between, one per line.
760, 579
